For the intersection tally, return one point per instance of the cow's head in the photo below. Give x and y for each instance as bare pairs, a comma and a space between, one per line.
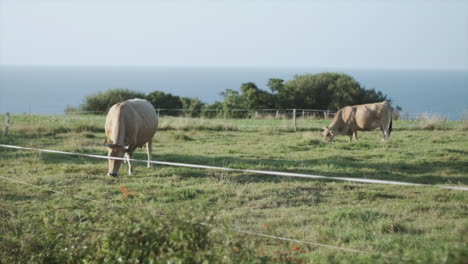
328, 134
116, 151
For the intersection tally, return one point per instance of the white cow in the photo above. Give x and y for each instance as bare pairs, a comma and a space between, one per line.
348, 120
129, 125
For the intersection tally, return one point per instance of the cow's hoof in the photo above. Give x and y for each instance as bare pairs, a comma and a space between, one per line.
113, 174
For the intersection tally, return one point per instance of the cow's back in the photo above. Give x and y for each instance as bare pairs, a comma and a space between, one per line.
371, 116
344, 121
141, 121
133, 122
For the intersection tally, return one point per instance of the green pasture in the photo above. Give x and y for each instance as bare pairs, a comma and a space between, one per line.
180, 215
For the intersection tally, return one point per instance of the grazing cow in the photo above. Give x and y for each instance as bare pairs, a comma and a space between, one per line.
348, 120
129, 125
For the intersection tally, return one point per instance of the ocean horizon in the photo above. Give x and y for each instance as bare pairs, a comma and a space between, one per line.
49, 89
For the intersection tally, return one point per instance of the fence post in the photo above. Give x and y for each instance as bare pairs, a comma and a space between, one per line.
277, 114
7, 124
294, 118
158, 112
303, 114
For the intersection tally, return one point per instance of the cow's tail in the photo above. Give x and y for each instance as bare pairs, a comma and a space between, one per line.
391, 121
390, 127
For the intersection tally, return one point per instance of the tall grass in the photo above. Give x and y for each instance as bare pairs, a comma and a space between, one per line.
431, 121
136, 236
464, 121
57, 124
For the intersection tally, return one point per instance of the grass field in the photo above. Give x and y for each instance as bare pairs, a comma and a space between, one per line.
156, 213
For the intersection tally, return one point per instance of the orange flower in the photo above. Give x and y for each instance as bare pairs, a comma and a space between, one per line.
235, 249
265, 226
295, 248
125, 192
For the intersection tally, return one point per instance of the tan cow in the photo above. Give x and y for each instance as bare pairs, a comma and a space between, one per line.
129, 125
348, 120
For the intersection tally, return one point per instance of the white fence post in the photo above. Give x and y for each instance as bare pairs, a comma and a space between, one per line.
7, 123
294, 118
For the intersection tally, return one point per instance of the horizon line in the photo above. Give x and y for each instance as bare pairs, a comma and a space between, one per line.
325, 68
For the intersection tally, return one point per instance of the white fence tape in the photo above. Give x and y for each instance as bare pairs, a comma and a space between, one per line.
273, 173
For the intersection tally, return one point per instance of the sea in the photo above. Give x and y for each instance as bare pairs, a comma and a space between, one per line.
49, 89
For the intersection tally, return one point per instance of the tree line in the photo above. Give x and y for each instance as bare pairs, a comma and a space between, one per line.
323, 91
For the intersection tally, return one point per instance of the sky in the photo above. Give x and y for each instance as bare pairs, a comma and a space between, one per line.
391, 34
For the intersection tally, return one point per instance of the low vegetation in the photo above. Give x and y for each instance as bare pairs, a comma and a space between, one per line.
309, 91
182, 215
432, 121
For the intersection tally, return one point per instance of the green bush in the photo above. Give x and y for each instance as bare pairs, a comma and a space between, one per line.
309, 91
102, 102
135, 236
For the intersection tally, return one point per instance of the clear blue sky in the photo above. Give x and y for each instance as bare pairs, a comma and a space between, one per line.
240, 33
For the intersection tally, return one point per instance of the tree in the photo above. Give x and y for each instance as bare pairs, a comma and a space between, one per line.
232, 101
279, 94
324, 91
309, 91
275, 85
102, 102
254, 98
192, 105
249, 98
213, 110
162, 100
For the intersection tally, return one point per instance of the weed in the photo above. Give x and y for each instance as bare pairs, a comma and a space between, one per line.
182, 137
432, 121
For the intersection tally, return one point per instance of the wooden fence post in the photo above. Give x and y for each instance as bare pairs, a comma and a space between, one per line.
294, 118
7, 123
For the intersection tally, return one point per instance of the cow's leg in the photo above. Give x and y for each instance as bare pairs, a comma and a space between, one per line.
384, 134
128, 156
355, 135
149, 149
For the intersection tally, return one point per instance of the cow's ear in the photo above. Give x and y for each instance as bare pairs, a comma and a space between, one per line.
324, 128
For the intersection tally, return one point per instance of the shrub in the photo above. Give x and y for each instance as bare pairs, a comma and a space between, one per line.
430, 121
122, 236
101, 102
69, 109
464, 121
164, 100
